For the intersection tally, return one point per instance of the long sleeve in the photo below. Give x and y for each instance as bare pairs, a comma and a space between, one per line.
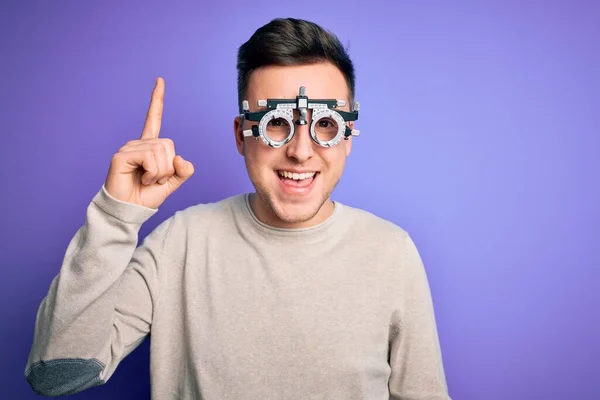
415, 358
99, 307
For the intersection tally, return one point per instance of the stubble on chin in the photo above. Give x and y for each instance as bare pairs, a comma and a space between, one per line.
292, 213
276, 210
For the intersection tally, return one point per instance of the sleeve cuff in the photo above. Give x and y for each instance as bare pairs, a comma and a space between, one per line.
123, 211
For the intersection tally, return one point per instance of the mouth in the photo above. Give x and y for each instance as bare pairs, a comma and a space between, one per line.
297, 183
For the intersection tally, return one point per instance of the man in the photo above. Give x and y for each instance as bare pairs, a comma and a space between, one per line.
279, 294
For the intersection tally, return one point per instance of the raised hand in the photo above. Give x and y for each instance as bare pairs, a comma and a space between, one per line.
147, 171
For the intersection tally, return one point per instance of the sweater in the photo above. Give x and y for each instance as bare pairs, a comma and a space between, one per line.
238, 309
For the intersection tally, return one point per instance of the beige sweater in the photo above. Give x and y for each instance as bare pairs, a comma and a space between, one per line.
241, 310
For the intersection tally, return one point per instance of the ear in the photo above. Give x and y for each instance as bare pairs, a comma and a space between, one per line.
348, 142
239, 135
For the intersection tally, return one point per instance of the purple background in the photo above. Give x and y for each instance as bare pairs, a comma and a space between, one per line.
480, 136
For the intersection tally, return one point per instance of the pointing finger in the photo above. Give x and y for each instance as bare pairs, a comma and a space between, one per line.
155, 110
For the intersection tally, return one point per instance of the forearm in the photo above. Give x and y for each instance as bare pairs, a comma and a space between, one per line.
76, 341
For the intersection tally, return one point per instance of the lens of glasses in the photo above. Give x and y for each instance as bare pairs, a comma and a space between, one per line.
278, 129
326, 129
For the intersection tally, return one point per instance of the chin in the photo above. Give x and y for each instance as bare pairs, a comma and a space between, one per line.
291, 204
292, 209
296, 213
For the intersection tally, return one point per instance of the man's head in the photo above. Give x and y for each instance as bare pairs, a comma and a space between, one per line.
274, 63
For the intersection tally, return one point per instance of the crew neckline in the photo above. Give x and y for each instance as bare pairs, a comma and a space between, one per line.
309, 231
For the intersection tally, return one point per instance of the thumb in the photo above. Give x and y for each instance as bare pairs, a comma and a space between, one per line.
183, 171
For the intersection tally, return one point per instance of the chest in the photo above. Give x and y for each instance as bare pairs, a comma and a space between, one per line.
290, 316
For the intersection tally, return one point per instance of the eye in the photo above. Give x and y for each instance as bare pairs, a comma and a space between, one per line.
278, 122
325, 123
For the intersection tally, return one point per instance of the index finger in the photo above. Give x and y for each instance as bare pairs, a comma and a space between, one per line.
155, 110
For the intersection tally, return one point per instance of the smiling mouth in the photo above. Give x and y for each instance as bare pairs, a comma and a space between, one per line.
296, 176
294, 179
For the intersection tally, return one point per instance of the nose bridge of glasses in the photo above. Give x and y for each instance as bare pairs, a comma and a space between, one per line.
302, 116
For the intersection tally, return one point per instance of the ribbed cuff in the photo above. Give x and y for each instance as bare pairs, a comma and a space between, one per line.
123, 211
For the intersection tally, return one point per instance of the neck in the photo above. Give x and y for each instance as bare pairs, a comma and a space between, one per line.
269, 217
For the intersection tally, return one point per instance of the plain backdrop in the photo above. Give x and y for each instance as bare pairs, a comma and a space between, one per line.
480, 136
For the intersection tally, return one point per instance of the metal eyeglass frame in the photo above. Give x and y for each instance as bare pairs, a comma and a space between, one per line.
284, 109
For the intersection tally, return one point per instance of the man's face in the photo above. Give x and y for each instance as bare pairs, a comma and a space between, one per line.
286, 202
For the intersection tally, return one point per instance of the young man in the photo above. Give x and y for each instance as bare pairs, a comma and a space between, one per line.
280, 294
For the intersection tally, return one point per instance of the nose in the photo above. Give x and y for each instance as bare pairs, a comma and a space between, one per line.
300, 148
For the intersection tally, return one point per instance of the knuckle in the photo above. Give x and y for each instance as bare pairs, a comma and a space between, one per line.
169, 145
157, 148
148, 155
127, 145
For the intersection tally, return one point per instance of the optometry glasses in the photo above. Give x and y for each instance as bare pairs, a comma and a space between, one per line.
276, 124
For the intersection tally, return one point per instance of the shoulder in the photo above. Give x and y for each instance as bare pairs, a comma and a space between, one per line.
209, 213
201, 218
391, 240
366, 223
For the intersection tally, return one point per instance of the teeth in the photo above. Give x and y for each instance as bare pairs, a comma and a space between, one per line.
295, 176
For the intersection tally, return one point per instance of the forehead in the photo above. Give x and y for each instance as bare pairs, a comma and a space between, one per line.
322, 80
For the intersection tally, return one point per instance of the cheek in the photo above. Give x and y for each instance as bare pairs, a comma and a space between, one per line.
259, 159
335, 158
